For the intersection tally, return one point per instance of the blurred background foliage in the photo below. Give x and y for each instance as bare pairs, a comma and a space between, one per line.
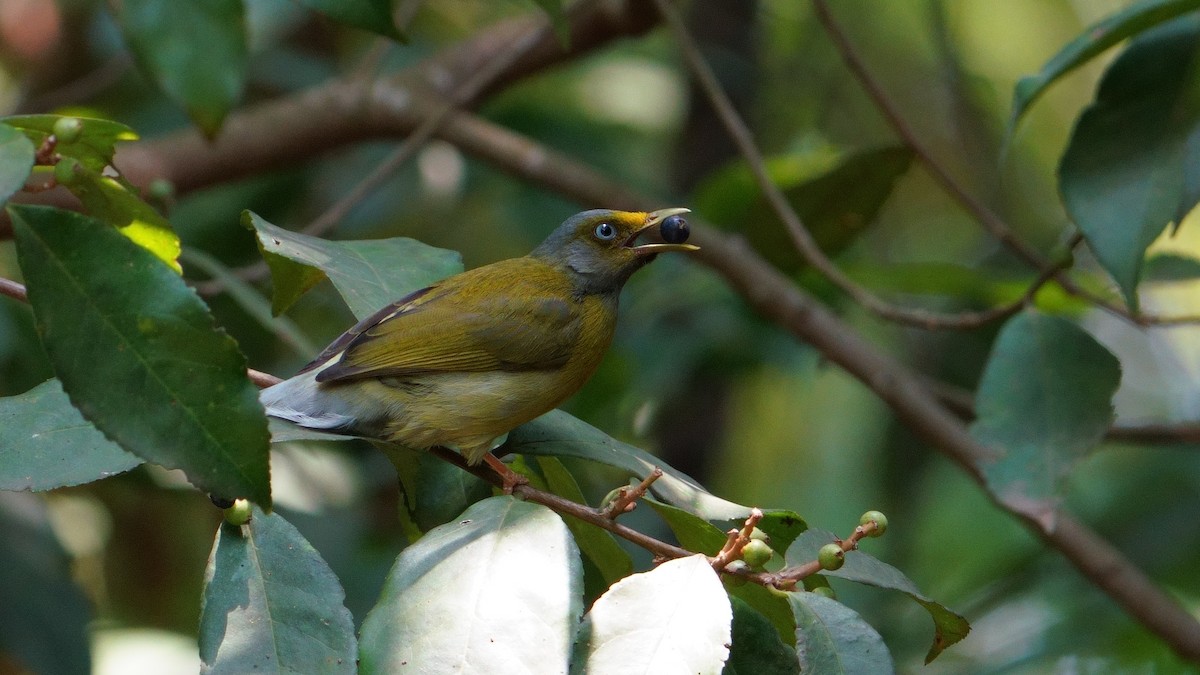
693, 375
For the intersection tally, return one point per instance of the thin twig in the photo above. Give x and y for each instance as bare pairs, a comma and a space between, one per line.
627, 497
787, 578
13, 290
736, 541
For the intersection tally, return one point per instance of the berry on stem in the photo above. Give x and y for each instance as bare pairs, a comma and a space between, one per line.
831, 557
876, 517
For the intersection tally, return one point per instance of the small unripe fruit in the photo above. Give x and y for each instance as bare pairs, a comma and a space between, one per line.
67, 129
757, 553
759, 535
161, 188
825, 592
64, 171
831, 557
878, 518
239, 514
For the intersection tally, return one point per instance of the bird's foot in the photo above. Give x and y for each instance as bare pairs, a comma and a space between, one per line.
509, 479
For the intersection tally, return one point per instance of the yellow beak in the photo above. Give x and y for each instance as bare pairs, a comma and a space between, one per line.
653, 219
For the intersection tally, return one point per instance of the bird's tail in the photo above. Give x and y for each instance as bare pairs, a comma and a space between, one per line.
301, 400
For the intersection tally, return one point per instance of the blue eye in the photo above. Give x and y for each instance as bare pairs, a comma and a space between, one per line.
605, 231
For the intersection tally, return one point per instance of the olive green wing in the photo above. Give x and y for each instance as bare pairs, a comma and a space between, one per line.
509, 323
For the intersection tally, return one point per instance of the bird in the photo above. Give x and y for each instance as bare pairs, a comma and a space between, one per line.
460, 363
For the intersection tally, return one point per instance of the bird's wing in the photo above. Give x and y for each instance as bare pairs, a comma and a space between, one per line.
512, 318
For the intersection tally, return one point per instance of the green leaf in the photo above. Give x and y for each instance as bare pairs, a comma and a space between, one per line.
833, 639
756, 648
115, 201
598, 545
368, 274
45, 443
1044, 401
44, 616
113, 318
693, 532
95, 146
675, 618
1133, 162
194, 51
443, 491
499, 589
1094, 40
372, 15
837, 202
16, 160
271, 604
949, 627
558, 434
1172, 267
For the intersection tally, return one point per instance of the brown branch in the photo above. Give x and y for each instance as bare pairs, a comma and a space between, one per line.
787, 577
626, 499
736, 541
13, 290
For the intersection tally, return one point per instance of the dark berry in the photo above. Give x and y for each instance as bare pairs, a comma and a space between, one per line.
674, 230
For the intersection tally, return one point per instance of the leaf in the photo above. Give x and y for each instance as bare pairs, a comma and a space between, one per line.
1133, 162
1045, 399
836, 203
44, 616
368, 274
194, 51
372, 15
756, 648
598, 545
95, 146
113, 318
271, 604
497, 591
558, 434
1172, 267
16, 160
1094, 40
833, 639
949, 627
45, 443
443, 491
675, 618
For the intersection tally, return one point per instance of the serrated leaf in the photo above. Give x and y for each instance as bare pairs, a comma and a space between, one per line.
368, 274
44, 616
113, 318
949, 627
676, 618
1093, 41
16, 160
115, 201
497, 591
95, 146
558, 434
756, 648
372, 15
833, 639
1044, 401
1133, 162
836, 201
271, 604
597, 544
1172, 267
194, 51
45, 443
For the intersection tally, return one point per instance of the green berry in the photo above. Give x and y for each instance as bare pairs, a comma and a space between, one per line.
161, 188
831, 556
65, 171
67, 129
878, 518
239, 514
757, 553
825, 592
759, 535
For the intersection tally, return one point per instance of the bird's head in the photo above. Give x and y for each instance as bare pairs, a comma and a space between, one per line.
601, 248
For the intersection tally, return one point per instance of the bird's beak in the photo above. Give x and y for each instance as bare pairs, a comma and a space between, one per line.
653, 219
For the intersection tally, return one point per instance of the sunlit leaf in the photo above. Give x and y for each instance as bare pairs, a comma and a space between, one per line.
94, 146
949, 627
676, 618
368, 274
194, 51
499, 590
271, 604
833, 639
1094, 40
115, 319
16, 160
1133, 163
45, 443
1044, 401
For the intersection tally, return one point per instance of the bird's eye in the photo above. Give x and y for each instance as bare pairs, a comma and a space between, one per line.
605, 231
